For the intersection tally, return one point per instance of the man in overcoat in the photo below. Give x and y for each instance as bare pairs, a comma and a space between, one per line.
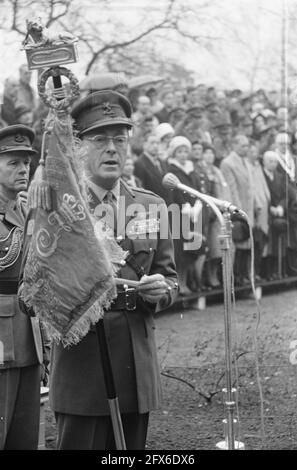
77, 389
239, 179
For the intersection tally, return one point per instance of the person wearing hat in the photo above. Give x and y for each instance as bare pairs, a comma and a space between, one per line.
78, 394
176, 115
168, 105
21, 352
164, 133
194, 126
222, 137
212, 110
185, 250
259, 124
266, 138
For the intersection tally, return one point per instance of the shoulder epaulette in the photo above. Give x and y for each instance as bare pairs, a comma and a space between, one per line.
145, 191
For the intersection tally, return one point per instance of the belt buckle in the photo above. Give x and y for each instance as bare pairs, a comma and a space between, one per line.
130, 298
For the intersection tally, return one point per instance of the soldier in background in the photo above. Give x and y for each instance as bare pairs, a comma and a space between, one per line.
20, 336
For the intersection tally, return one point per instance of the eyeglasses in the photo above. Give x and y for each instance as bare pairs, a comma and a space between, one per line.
119, 141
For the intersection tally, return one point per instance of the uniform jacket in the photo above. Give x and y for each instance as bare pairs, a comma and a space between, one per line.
76, 384
19, 334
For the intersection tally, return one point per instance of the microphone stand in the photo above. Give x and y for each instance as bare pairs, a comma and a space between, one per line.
229, 443
229, 392
225, 242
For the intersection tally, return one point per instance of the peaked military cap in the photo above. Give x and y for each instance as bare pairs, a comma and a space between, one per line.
196, 109
210, 104
102, 108
177, 111
17, 138
222, 121
246, 121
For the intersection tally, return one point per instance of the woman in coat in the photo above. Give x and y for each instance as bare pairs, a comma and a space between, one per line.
185, 248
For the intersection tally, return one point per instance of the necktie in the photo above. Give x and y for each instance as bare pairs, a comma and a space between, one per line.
111, 210
158, 165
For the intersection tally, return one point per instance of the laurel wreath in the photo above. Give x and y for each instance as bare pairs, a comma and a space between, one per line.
58, 100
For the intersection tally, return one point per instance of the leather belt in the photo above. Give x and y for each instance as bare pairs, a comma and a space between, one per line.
8, 287
126, 300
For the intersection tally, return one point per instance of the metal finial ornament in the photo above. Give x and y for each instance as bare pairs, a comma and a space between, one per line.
45, 50
49, 52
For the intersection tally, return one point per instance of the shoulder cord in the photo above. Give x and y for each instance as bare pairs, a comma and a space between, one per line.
13, 253
135, 266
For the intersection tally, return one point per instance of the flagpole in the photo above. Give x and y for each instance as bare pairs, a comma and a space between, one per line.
110, 387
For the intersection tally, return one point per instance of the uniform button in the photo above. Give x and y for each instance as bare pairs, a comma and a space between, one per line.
151, 249
123, 262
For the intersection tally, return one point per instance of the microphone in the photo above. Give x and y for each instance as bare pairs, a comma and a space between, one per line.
170, 181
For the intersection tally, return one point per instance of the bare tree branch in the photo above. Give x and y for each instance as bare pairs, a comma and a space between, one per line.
15, 11
202, 394
52, 18
124, 43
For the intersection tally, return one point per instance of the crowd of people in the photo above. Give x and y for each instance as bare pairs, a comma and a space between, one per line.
228, 144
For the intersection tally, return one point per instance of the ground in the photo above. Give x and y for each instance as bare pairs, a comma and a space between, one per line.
191, 351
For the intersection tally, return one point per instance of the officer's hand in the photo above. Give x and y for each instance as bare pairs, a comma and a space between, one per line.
152, 288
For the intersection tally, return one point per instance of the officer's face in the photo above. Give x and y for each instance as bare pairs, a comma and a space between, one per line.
14, 173
106, 153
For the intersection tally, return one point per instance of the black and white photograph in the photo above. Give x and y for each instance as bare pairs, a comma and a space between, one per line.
148, 228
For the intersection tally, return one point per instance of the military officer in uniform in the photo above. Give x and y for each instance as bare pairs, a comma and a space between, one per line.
77, 390
21, 352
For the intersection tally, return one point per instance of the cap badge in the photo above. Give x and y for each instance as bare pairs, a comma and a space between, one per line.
19, 138
107, 109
